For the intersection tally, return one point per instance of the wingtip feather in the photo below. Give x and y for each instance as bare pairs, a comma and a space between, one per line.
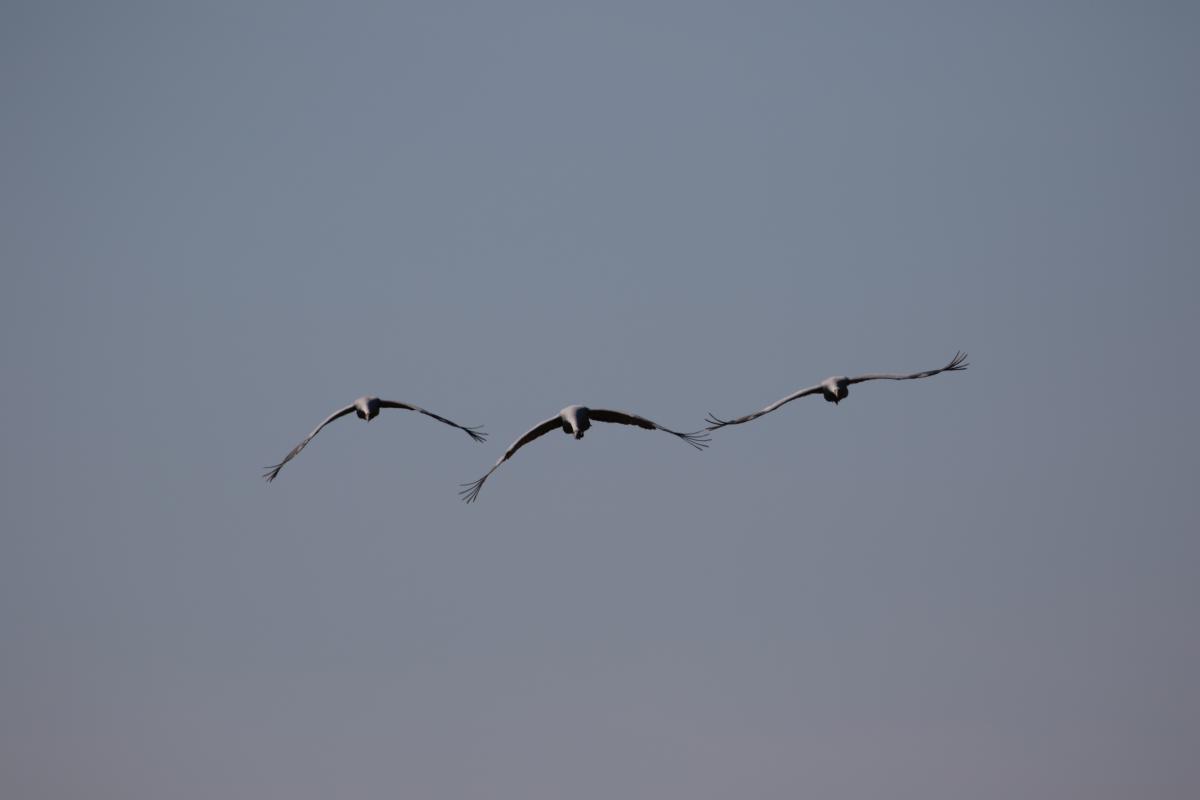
715, 422
470, 491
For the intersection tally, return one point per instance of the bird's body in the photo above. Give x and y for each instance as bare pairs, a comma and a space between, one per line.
366, 408
575, 420
835, 389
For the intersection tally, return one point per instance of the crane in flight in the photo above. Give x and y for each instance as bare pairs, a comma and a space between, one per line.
366, 408
835, 389
575, 420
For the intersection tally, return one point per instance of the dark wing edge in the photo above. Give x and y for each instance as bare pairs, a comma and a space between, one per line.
470, 491
958, 363
697, 439
477, 433
716, 422
273, 471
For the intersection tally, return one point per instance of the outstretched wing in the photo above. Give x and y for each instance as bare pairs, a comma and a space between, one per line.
274, 470
470, 491
475, 433
959, 362
697, 439
717, 422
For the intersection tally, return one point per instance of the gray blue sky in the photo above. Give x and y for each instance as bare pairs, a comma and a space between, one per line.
221, 221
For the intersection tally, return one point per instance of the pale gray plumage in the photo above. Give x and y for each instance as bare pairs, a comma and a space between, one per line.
834, 390
575, 420
366, 408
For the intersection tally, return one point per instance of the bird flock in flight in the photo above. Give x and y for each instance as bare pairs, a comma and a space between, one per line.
575, 420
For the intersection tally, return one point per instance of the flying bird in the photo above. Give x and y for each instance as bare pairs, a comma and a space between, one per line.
575, 420
366, 408
834, 390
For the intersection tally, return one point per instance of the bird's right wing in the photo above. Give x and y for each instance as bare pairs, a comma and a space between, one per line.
274, 470
721, 423
470, 491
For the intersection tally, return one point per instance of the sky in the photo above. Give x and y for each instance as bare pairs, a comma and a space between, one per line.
220, 222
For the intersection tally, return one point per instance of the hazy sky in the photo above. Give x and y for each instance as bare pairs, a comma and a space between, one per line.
219, 222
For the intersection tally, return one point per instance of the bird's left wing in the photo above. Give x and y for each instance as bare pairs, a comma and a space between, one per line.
274, 470
959, 362
475, 433
697, 439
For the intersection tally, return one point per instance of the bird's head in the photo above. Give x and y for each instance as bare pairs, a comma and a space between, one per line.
367, 407
834, 389
575, 420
